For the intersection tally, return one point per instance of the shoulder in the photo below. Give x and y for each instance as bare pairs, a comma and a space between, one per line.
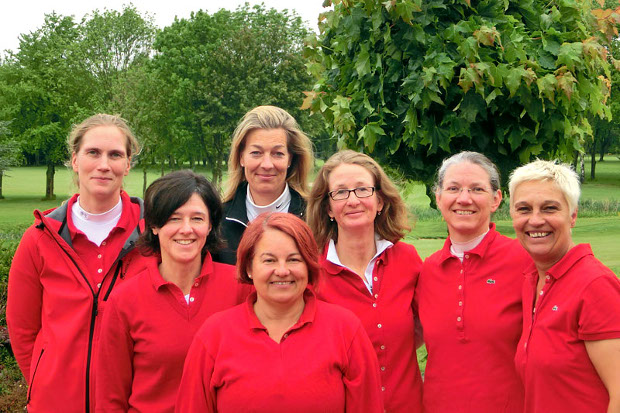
337, 316
223, 323
129, 289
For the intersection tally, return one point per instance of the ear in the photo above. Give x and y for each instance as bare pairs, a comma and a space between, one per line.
497, 199
74, 164
128, 166
155, 231
573, 218
380, 203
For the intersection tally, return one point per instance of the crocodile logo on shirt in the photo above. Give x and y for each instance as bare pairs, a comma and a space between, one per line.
490, 281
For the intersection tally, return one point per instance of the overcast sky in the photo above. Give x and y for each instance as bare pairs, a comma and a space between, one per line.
24, 16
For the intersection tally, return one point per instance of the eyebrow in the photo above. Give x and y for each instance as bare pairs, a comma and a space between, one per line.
278, 146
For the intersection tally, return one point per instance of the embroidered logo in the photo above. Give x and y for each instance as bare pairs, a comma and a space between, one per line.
490, 281
555, 308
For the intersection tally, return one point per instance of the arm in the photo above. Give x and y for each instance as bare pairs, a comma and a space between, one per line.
362, 382
605, 356
195, 391
114, 374
25, 300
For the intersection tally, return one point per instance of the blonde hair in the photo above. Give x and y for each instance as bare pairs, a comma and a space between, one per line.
298, 145
562, 175
391, 225
74, 140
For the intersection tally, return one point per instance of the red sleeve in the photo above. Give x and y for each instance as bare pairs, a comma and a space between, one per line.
195, 391
25, 299
115, 362
361, 379
599, 316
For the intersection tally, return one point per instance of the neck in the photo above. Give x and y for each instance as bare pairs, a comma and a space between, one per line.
94, 205
356, 248
463, 237
278, 318
543, 265
180, 274
262, 199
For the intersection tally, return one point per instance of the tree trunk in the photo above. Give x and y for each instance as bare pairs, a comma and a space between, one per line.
1, 176
582, 172
575, 160
49, 182
163, 162
144, 181
593, 163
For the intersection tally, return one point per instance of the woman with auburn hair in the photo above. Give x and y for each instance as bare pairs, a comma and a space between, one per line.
270, 160
358, 219
283, 350
151, 319
569, 353
468, 296
66, 266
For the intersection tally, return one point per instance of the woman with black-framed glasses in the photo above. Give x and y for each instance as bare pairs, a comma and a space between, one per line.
358, 219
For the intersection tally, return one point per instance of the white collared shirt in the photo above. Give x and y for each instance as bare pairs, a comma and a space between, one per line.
380, 244
96, 227
279, 205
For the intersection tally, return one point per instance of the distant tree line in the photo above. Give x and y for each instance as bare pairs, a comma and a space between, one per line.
183, 88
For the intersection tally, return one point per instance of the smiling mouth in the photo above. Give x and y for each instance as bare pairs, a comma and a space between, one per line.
461, 212
282, 282
538, 234
184, 241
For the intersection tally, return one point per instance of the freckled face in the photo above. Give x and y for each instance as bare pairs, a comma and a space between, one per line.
542, 221
265, 160
467, 200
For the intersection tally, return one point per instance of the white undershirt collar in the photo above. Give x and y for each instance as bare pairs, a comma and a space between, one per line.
458, 249
96, 227
281, 204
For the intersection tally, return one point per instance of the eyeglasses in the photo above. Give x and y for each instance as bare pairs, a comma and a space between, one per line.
456, 190
361, 192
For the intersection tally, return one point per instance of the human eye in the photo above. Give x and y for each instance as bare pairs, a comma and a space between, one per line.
451, 189
255, 153
279, 154
340, 194
116, 155
92, 152
174, 219
198, 219
478, 190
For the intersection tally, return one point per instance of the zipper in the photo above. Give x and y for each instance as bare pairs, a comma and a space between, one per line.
34, 375
118, 269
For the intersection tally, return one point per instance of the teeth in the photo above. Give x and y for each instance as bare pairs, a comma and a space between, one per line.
464, 212
184, 241
282, 282
538, 234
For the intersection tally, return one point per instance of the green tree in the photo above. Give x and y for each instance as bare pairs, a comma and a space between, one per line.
50, 84
412, 82
10, 153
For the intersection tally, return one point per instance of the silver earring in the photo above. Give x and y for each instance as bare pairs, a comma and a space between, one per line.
379, 213
331, 219
250, 276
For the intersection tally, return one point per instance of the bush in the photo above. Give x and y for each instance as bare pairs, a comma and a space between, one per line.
12, 385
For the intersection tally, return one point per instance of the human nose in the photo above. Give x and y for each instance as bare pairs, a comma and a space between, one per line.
186, 226
266, 162
104, 163
282, 269
536, 218
464, 196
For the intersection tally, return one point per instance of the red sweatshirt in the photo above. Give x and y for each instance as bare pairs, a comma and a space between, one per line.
55, 304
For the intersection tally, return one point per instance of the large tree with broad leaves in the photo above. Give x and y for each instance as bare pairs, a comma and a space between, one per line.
411, 82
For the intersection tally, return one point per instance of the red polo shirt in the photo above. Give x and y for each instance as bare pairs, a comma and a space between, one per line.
387, 316
147, 329
579, 301
471, 316
324, 363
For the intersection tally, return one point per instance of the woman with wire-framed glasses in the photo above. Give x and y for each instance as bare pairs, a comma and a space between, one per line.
358, 219
468, 296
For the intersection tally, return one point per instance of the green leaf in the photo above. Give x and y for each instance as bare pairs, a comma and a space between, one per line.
369, 134
362, 64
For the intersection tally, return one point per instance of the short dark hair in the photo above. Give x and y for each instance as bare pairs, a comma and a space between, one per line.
287, 223
167, 194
